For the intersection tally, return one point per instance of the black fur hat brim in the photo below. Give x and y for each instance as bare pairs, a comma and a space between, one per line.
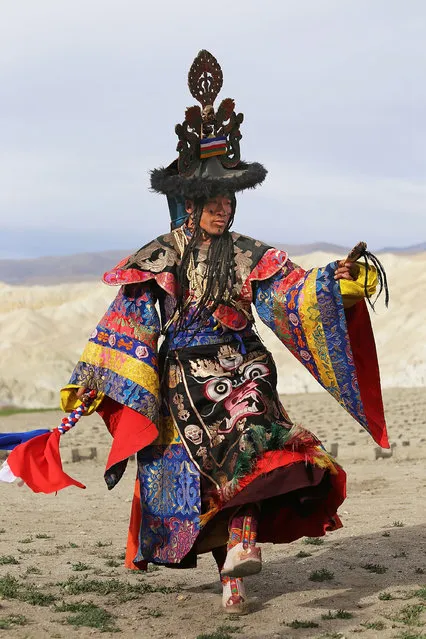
244, 176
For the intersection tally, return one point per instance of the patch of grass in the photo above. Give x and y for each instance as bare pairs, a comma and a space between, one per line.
313, 541
2, 530
43, 536
398, 524
12, 620
9, 587
399, 554
411, 635
103, 544
122, 590
421, 593
419, 571
297, 623
224, 631
385, 596
332, 635
152, 568
35, 597
33, 570
386, 534
410, 615
378, 569
339, 614
8, 559
321, 575
154, 613
218, 634
112, 563
80, 566
88, 615
374, 625
302, 554
66, 546
26, 540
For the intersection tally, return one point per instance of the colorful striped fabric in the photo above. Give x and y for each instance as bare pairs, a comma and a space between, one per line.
210, 147
305, 310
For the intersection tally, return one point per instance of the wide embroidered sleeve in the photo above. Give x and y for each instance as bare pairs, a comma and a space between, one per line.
120, 358
306, 311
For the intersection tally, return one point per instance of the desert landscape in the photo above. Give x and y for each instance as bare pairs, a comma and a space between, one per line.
61, 556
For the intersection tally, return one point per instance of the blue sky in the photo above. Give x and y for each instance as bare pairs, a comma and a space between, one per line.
333, 93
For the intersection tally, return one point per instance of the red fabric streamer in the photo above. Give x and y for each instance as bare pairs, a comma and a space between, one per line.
38, 463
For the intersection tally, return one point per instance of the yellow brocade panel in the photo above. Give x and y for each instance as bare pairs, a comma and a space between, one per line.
167, 432
314, 333
123, 365
353, 290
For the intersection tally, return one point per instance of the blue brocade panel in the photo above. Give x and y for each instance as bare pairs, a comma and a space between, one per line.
170, 503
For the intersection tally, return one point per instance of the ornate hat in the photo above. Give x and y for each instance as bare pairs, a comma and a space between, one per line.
209, 162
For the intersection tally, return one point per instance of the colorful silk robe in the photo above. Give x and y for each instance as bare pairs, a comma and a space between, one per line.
305, 309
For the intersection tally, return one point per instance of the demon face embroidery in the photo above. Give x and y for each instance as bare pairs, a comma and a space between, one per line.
234, 398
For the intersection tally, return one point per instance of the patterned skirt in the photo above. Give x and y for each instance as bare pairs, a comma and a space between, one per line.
227, 441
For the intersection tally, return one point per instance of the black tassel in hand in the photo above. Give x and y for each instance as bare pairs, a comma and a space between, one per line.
360, 251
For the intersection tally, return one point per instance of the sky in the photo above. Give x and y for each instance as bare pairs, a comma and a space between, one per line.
334, 100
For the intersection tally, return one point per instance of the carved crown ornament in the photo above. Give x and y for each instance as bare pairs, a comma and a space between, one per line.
207, 132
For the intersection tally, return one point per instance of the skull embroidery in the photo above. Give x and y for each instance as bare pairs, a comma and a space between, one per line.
194, 434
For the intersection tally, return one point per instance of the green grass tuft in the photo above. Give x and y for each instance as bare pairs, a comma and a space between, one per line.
33, 570
385, 596
339, 614
6, 623
374, 625
378, 569
80, 567
112, 563
26, 540
9, 587
225, 631
398, 524
321, 575
302, 554
88, 615
43, 536
313, 541
35, 597
122, 590
297, 623
103, 544
8, 560
410, 615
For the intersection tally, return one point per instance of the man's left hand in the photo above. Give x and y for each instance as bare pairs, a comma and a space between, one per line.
345, 271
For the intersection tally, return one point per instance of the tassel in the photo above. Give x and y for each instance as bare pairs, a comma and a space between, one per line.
360, 251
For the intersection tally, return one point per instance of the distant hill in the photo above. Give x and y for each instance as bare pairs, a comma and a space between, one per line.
91, 266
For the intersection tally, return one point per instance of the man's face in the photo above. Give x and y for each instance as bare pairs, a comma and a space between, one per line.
215, 215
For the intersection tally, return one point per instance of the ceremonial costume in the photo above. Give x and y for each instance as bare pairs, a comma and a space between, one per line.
219, 461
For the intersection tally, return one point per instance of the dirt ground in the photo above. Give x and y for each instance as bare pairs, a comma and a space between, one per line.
61, 557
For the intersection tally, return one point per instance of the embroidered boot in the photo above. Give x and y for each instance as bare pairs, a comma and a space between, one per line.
234, 599
243, 557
